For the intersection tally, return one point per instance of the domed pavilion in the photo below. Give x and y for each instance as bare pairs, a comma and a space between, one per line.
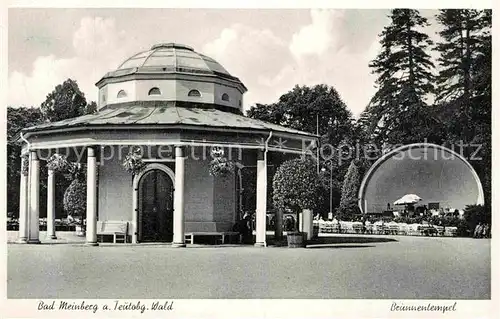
177, 106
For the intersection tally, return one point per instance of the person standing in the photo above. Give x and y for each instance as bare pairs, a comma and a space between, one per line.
486, 230
247, 229
476, 231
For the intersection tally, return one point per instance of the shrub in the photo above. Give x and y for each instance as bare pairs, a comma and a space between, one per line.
349, 200
75, 199
475, 214
296, 186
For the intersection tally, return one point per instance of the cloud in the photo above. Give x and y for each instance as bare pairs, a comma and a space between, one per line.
315, 53
218, 46
318, 37
320, 54
98, 47
253, 55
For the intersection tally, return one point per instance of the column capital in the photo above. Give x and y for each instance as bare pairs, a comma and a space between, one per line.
260, 154
91, 151
180, 151
34, 155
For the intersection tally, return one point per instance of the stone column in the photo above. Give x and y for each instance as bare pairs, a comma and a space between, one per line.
23, 204
307, 223
261, 207
278, 230
34, 200
179, 240
91, 228
51, 210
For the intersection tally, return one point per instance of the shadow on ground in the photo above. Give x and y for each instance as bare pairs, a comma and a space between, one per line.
333, 241
350, 240
336, 246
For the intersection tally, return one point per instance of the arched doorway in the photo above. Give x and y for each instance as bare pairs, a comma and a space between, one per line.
155, 206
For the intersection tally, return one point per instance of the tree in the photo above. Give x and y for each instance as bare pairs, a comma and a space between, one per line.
464, 84
349, 200
91, 108
316, 109
310, 109
75, 199
66, 101
475, 214
460, 50
296, 186
399, 112
17, 118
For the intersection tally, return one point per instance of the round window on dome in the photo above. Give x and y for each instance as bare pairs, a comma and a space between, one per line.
194, 93
225, 97
121, 94
154, 91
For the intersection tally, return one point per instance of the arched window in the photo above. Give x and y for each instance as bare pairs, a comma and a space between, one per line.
194, 93
239, 103
121, 94
104, 98
154, 91
225, 97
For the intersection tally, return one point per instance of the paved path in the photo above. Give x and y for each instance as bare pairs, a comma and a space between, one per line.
410, 267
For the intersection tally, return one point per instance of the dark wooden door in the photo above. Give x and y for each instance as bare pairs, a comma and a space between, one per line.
156, 207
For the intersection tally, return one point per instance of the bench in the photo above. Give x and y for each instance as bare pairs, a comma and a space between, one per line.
189, 237
117, 229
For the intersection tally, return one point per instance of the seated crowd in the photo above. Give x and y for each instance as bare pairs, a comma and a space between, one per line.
384, 226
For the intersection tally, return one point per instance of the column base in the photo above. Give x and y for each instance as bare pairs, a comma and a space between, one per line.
22, 240
33, 241
260, 245
178, 245
52, 237
91, 244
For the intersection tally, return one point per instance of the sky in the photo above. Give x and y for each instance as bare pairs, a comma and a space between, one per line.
270, 50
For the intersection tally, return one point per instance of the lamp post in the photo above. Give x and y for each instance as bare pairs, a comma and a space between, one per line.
331, 185
317, 146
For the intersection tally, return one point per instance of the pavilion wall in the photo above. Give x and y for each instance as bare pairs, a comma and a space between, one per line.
114, 192
210, 203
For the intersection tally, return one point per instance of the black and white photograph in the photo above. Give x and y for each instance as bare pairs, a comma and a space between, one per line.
160, 155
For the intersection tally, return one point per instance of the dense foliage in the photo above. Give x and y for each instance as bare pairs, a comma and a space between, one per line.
133, 162
66, 101
464, 85
220, 165
475, 214
316, 109
296, 185
56, 107
399, 112
17, 118
75, 198
349, 201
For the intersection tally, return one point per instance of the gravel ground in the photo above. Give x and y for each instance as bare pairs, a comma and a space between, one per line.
345, 267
